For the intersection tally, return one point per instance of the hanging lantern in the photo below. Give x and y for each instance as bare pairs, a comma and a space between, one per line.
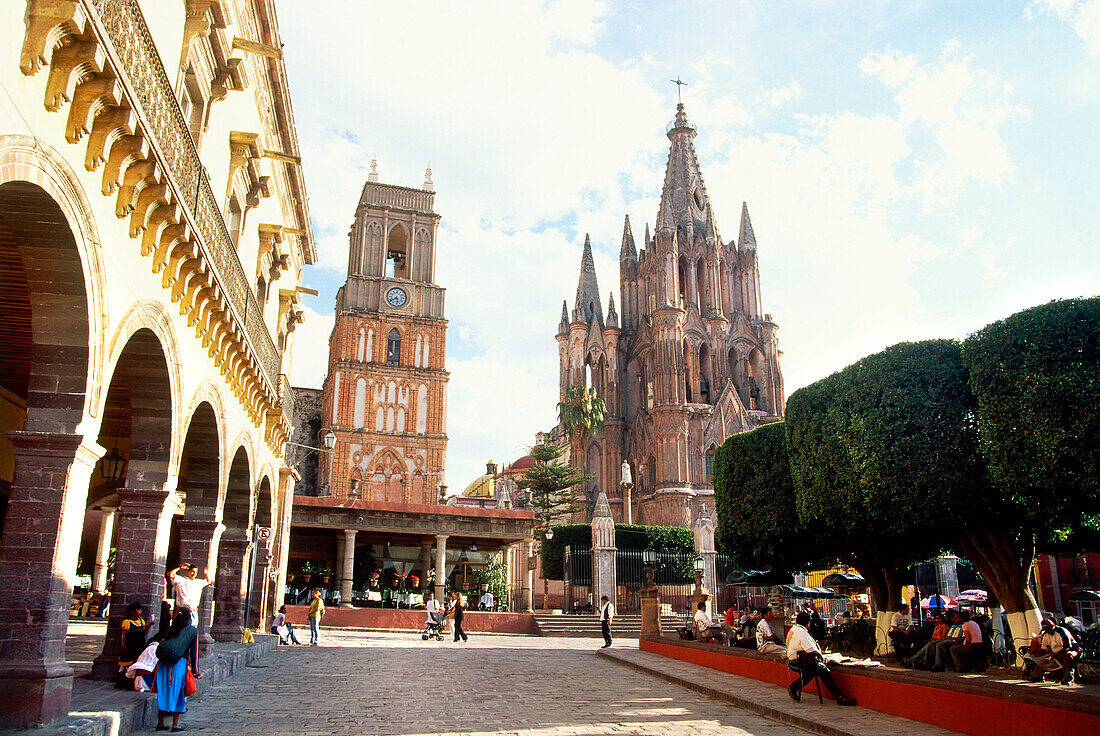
113, 465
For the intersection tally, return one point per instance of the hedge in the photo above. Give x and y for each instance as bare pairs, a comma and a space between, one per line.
627, 536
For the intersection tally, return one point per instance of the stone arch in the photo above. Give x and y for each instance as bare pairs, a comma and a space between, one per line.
388, 472
397, 251
200, 463
51, 364
136, 423
706, 375
687, 356
682, 281
393, 346
755, 365
231, 578
264, 517
700, 283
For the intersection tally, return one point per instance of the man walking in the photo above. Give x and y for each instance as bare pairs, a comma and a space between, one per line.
607, 613
316, 611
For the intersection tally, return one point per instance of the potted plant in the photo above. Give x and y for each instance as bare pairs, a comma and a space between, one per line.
326, 575
307, 571
373, 579
413, 582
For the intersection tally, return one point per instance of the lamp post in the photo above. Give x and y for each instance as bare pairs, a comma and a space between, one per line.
701, 594
650, 596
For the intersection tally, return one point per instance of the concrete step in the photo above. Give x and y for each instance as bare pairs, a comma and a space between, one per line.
587, 625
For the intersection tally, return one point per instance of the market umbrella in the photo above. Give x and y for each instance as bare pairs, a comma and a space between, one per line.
937, 601
973, 596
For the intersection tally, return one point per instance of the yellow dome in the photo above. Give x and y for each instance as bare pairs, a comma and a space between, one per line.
481, 488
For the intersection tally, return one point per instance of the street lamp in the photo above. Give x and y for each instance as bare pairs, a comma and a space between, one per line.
627, 483
700, 566
649, 565
549, 532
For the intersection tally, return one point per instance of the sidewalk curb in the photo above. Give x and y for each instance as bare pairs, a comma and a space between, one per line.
774, 714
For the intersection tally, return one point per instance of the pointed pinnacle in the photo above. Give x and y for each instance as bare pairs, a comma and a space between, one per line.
745, 237
628, 251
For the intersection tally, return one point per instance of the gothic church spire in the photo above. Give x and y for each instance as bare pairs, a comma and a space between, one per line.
628, 252
587, 306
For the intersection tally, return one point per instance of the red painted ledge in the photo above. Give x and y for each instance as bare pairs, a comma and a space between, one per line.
405, 619
969, 705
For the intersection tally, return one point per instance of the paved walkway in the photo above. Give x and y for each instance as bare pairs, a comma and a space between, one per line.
375, 683
771, 700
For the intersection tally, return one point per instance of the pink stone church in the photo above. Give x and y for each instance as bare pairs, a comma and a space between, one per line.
692, 359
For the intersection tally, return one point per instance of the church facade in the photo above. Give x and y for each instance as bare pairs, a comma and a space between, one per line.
692, 358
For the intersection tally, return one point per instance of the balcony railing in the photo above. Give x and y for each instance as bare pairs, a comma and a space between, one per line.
388, 195
129, 35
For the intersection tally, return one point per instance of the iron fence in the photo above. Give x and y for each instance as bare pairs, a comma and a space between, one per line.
674, 577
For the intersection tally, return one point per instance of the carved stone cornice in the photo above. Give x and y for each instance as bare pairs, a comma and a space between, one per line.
122, 106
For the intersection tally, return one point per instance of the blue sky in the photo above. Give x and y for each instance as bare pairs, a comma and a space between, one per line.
913, 169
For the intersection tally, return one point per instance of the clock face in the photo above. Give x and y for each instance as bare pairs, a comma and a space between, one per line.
396, 297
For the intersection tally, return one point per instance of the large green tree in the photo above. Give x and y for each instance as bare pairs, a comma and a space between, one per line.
1035, 378
550, 487
758, 524
880, 453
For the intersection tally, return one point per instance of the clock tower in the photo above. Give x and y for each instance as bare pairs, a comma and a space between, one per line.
385, 392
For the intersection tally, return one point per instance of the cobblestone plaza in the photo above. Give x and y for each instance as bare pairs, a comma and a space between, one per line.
358, 683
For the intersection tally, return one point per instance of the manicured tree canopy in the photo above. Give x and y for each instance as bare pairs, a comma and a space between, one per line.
754, 495
879, 453
1035, 377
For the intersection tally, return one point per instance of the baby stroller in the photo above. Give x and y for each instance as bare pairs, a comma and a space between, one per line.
433, 629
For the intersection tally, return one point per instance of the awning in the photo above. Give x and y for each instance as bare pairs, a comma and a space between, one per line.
1085, 596
973, 596
758, 578
844, 580
798, 591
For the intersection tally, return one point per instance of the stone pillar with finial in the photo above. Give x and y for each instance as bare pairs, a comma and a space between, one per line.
704, 547
603, 551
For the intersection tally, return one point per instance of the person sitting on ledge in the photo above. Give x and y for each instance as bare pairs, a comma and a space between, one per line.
766, 640
705, 629
965, 655
924, 659
804, 657
901, 631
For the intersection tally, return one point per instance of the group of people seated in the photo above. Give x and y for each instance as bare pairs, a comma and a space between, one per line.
958, 646
1055, 652
799, 648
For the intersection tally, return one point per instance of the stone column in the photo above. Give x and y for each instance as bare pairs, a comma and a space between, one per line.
259, 613
425, 564
103, 549
348, 567
284, 504
603, 552
509, 552
704, 547
528, 576
139, 567
37, 565
650, 596
232, 586
440, 565
199, 546
340, 541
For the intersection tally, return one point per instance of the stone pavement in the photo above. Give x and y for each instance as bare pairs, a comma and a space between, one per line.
770, 700
377, 683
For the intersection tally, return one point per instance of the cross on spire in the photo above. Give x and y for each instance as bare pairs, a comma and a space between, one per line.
679, 85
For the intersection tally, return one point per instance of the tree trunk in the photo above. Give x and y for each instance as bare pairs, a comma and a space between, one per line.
885, 584
1006, 568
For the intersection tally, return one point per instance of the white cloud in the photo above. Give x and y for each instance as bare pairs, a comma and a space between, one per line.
784, 95
311, 349
961, 106
1083, 15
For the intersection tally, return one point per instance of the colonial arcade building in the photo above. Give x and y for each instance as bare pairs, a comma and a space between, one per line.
153, 231
692, 359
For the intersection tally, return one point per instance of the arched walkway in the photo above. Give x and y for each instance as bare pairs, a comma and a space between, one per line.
234, 556
136, 425
44, 367
258, 612
199, 529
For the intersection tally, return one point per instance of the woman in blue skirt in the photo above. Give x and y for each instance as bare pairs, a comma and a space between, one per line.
172, 669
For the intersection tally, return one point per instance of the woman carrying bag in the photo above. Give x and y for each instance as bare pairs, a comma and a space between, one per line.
174, 678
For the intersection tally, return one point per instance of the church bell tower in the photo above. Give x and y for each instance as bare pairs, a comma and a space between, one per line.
385, 392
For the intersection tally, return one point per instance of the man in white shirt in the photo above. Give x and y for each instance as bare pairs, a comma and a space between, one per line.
767, 642
432, 607
705, 629
965, 655
804, 657
487, 601
901, 631
607, 614
188, 588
